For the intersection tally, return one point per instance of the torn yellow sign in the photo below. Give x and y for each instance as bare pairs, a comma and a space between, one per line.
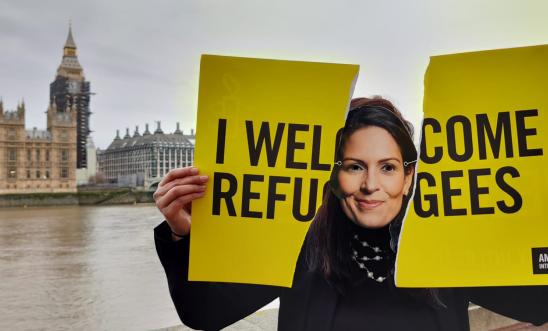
479, 215
266, 138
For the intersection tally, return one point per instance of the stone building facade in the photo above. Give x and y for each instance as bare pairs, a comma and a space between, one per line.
143, 159
33, 161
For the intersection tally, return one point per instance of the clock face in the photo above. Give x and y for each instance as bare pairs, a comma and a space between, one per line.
73, 86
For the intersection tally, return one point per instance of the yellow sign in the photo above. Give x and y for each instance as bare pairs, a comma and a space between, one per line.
478, 217
266, 139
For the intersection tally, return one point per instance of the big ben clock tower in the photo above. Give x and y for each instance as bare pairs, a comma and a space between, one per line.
70, 90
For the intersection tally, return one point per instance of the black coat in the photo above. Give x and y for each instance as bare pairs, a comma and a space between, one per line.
311, 303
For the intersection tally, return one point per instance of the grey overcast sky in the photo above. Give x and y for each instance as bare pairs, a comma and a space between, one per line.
142, 57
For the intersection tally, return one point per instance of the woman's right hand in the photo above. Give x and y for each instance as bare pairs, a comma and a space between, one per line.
175, 194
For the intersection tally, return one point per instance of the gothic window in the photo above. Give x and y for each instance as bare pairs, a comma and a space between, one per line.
29, 155
64, 154
11, 133
64, 172
12, 172
47, 155
47, 174
38, 155
37, 174
12, 154
28, 174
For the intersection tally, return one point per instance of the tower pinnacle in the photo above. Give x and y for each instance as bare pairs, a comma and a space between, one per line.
70, 40
70, 66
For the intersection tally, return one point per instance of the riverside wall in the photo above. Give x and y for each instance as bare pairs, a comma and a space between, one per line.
85, 197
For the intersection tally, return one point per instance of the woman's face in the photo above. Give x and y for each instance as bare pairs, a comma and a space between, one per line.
372, 177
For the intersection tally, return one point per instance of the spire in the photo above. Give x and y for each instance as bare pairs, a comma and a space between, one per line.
178, 131
117, 135
158, 128
70, 40
146, 133
136, 133
127, 136
70, 66
21, 107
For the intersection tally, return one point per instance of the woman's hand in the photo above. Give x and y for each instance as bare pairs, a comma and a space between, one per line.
175, 194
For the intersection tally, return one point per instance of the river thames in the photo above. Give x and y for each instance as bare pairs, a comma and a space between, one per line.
82, 268
95, 268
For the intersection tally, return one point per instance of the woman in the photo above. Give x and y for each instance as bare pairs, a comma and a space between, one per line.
344, 274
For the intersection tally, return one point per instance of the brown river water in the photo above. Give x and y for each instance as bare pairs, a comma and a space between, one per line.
82, 268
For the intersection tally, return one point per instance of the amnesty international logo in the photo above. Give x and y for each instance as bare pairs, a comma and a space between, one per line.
540, 260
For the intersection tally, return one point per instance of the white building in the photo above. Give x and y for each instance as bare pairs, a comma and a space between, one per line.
83, 175
140, 160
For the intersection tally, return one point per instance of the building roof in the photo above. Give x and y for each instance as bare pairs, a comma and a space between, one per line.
12, 115
157, 139
70, 66
38, 134
70, 62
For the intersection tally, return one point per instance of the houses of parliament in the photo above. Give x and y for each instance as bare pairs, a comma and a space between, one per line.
48, 160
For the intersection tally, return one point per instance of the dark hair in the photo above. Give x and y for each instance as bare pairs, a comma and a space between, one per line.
381, 113
327, 248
